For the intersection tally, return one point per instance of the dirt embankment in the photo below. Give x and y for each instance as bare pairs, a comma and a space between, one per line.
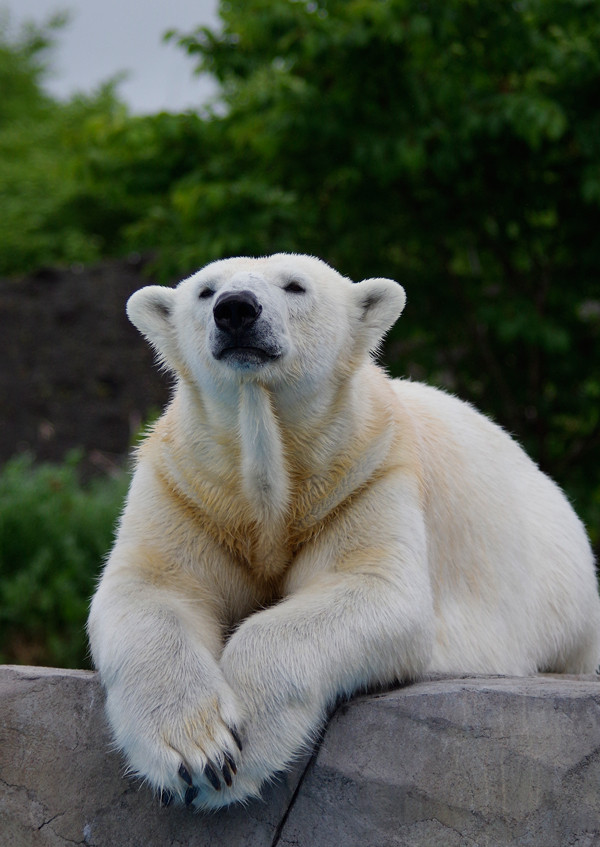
73, 371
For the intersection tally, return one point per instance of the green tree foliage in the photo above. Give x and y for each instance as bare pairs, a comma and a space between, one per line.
75, 175
43, 144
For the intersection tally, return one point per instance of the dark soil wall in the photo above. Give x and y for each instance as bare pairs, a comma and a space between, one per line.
73, 370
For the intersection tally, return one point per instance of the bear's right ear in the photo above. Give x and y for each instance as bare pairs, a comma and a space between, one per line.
151, 311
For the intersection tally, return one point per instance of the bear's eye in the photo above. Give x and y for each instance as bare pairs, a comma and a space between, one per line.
206, 293
294, 287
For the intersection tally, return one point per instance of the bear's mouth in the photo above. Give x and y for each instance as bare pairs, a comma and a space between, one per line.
242, 355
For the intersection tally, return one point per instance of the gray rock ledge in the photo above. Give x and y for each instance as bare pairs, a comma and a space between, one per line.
485, 761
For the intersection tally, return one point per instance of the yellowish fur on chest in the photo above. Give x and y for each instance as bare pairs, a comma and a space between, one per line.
224, 515
205, 484
228, 520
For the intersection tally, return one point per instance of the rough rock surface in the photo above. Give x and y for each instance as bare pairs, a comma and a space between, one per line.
476, 761
486, 761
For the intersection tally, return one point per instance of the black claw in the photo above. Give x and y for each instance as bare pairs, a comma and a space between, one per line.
166, 798
185, 774
226, 774
190, 794
212, 777
236, 737
230, 762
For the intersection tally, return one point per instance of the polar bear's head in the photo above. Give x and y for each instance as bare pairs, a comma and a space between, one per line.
284, 317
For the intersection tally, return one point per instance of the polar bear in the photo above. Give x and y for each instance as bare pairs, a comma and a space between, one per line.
300, 526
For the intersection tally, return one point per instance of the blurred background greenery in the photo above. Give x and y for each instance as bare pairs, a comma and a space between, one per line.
453, 145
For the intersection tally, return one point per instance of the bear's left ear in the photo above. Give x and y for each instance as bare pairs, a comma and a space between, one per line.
151, 311
380, 303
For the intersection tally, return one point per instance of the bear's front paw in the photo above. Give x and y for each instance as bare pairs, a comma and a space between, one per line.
186, 747
218, 771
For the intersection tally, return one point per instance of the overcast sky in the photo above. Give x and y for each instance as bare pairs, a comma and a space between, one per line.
108, 36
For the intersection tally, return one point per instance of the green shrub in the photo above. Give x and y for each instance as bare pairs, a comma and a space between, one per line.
54, 534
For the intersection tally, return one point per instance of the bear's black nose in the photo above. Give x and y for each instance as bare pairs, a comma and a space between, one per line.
236, 310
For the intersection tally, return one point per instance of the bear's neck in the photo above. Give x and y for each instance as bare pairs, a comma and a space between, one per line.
293, 459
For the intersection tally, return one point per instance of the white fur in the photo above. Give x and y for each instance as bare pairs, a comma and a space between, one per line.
300, 526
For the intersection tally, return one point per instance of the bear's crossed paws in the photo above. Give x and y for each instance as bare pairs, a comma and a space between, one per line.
207, 750
237, 773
